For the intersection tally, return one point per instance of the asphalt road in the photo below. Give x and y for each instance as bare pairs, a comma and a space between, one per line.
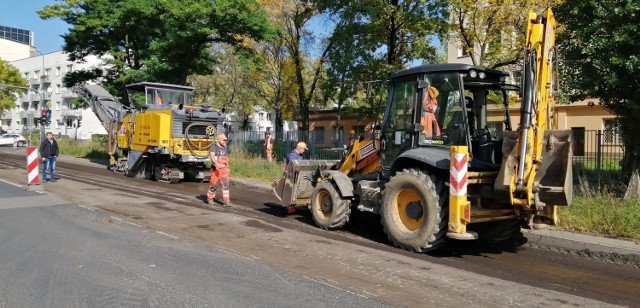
522, 266
60, 255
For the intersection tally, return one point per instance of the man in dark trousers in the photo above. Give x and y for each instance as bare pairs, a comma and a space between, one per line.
48, 152
219, 170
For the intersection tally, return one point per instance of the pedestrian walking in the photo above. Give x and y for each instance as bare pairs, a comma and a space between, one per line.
49, 152
219, 171
268, 146
295, 154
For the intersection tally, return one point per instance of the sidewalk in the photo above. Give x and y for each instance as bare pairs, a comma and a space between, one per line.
621, 252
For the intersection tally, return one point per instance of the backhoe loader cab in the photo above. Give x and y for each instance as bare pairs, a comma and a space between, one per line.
433, 107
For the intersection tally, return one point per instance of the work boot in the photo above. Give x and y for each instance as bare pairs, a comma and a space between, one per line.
226, 202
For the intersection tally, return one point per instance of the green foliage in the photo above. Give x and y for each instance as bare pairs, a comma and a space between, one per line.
492, 32
149, 40
96, 149
602, 214
599, 45
11, 77
374, 38
245, 164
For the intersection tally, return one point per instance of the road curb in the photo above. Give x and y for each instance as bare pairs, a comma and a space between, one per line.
620, 252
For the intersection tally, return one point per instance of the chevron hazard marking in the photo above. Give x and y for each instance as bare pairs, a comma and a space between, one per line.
458, 175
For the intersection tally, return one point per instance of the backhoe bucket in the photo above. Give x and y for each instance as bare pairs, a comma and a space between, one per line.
297, 186
554, 175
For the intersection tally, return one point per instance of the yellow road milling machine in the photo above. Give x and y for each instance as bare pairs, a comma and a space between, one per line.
445, 171
163, 135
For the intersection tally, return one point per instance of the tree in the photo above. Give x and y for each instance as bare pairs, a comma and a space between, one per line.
296, 17
274, 80
492, 32
10, 82
229, 86
599, 48
373, 38
149, 40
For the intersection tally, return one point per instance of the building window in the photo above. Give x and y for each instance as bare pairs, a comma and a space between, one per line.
261, 115
318, 135
464, 51
47, 72
69, 68
268, 116
612, 131
58, 89
58, 71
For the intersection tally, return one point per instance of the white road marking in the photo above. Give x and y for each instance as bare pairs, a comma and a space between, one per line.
166, 234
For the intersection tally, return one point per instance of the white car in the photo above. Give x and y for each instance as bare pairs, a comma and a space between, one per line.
8, 139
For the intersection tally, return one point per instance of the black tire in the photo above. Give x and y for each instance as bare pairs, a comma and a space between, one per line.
414, 211
329, 211
21, 143
501, 232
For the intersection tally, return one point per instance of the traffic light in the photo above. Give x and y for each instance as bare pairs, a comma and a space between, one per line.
36, 121
43, 119
48, 115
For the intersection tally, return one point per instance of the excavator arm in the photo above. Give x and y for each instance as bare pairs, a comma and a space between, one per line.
536, 173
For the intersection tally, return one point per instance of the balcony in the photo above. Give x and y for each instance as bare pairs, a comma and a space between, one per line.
45, 79
27, 114
6, 115
68, 94
71, 113
35, 80
34, 97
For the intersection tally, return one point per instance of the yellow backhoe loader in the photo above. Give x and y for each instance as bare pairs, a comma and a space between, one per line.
449, 168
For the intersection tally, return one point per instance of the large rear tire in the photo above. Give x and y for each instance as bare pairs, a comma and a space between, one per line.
329, 211
414, 212
501, 232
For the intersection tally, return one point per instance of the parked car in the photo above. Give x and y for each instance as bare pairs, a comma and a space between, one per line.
7, 140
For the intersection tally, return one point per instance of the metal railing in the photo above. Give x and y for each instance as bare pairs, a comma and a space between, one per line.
597, 155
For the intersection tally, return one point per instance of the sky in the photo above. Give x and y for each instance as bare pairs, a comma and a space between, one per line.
22, 14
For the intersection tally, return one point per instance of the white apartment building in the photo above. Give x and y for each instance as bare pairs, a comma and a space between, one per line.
44, 74
259, 121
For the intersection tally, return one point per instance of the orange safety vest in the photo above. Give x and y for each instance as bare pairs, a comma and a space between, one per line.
428, 119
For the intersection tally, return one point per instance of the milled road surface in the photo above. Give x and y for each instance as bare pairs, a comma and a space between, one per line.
358, 258
61, 255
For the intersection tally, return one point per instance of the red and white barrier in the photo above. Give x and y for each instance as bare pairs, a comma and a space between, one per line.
32, 166
458, 175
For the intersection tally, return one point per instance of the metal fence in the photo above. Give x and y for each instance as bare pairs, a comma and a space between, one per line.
597, 154
322, 144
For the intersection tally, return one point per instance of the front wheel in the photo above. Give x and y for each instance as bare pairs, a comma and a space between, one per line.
329, 211
21, 143
414, 213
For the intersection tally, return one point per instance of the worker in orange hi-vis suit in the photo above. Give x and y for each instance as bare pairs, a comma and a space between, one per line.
219, 170
268, 146
428, 120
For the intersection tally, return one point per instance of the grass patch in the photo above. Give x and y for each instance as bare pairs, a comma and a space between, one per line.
604, 214
247, 165
83, 148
